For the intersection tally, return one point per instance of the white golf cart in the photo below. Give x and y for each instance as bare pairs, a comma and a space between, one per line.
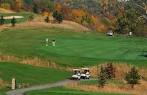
76, 75
85, 73
110, 32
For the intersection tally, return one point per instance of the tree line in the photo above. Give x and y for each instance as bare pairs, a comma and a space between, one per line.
122, 16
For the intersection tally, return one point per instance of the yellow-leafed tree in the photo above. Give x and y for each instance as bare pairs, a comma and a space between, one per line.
18, 5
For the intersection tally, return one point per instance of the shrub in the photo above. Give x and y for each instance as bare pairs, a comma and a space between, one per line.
2, 20
58, 16
132, 77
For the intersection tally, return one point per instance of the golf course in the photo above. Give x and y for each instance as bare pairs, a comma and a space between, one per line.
73, 47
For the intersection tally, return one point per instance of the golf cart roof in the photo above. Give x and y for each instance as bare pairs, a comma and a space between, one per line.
85, 68
76, 69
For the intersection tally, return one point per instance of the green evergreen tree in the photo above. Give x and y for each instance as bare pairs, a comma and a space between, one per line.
35, 8
2, 20
58, 16
132, 77
13, 21
55, 13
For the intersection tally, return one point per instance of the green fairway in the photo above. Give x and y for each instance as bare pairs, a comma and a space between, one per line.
73, 48
64, 91
2, 93
29, 74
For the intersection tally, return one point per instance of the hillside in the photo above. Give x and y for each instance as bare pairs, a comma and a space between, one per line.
2, 10
73, 47
100, 16
65, 25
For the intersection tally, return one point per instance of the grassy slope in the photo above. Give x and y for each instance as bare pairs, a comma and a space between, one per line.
2, 93
73, 49
63, 91
30, 74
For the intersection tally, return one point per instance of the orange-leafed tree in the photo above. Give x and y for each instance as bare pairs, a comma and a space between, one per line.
18, 4
78, 14
58, 7
104, 5
67, 13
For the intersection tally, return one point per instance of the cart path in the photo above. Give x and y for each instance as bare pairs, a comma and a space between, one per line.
40, 87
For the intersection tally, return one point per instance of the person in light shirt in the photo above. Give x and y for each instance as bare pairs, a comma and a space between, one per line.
47, 41
53, 43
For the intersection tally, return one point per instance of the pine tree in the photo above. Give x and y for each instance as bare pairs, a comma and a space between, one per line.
35, 8
55, 13
13, 21
2, 20
132, 77
58, 16
102, 77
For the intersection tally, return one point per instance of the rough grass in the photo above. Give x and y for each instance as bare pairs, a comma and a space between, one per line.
72, 48
65, 91
120, 70
112, 86
95, 82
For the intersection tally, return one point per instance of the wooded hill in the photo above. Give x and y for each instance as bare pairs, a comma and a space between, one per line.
122, 16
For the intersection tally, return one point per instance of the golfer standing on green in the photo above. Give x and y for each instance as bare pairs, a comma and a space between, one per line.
53, 43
